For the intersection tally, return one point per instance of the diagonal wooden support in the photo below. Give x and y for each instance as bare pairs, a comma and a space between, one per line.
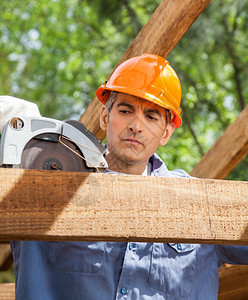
50, 205
5, 256
165, 28
233, 283
227, 152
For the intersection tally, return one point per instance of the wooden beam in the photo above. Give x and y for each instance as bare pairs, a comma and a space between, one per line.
227, 152
50, 205
7, 291
165, 28
6, 258
233, 282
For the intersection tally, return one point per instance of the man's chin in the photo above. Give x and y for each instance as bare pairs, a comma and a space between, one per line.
132, 158
127, 155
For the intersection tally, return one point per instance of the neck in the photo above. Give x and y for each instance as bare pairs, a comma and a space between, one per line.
123, 167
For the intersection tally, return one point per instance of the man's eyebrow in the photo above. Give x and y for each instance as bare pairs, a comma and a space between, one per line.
123, 103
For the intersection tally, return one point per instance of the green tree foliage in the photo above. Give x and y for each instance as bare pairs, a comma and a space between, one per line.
211, 61
7, 276
57, 52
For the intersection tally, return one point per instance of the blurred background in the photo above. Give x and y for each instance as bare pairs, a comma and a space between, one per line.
57, 52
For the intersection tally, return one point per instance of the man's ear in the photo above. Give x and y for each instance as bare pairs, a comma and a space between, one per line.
167, 134
104, 118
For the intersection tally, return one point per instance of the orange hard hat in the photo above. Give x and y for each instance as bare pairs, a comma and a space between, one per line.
149, 77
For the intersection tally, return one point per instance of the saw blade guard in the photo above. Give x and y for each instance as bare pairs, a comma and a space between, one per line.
18, 132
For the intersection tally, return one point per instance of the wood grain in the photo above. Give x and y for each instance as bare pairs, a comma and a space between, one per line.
7, 291
233, 283
165, 28
50, 205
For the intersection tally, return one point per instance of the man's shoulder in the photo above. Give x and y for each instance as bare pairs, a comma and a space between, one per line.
179, 173
159, 169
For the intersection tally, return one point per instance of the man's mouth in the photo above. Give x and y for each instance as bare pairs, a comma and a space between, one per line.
133, 141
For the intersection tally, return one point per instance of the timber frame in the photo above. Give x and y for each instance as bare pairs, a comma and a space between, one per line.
45, 205
222, 218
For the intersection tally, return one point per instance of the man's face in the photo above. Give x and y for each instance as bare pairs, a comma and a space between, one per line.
135, 128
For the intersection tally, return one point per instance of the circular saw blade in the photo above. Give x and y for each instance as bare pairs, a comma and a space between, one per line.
43, 154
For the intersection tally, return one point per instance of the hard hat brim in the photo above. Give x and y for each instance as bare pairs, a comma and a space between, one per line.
103, 93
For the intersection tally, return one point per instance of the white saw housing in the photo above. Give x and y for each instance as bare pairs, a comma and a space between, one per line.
19, 131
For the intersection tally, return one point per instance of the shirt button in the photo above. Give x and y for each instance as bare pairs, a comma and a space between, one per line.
179, 247
131, 246
123, 291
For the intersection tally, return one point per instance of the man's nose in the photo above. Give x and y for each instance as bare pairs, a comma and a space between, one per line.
136, 125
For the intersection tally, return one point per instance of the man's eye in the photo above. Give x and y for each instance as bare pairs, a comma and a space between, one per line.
125, 111
151, 117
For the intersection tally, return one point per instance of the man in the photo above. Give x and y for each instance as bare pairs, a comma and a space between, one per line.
141, 111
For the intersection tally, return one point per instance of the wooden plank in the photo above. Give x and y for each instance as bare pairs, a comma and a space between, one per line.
50, 205
6, 258
165, 28
227, 152
233, 283
7, 291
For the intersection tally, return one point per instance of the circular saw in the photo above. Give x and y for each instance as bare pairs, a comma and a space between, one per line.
49, 144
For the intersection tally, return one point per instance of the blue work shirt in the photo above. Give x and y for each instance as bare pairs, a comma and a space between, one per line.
114, 270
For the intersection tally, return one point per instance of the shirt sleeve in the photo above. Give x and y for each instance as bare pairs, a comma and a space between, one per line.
237, 255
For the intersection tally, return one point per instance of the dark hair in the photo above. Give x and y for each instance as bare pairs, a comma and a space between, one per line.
111, 100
